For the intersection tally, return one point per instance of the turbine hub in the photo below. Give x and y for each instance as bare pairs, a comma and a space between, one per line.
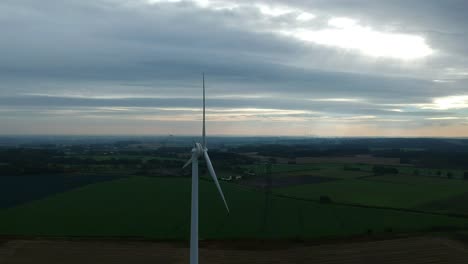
198, 149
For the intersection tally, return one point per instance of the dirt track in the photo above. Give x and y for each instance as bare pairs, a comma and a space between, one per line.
419, 250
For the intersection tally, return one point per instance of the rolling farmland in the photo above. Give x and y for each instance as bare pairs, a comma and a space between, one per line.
391, 191
114, 201
158, 208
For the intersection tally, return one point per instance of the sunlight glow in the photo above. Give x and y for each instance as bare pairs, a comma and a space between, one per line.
443, 118
347, 34
163, 1
360, 117
341, 32
274, 11
211, 4
446, 103
214, 114
342, 22
451, 102
456, 72
443, 81
305, 16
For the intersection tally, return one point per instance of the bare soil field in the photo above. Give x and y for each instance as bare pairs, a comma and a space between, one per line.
416, 250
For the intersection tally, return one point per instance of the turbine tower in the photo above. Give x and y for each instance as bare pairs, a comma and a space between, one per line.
198, 151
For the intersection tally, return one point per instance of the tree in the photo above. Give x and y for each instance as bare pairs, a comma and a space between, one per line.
325, 199
449, 175
465, 175
405, 161
384, 170
351, 168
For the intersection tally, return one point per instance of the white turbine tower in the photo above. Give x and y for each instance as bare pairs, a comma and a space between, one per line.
198, 151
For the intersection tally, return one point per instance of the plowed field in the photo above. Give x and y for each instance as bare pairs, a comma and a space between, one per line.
419, 250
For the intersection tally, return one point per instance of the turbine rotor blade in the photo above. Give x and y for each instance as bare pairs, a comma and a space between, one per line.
204, 129
215, 179
187, 163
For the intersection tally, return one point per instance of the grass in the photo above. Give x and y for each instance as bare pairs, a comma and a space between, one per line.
400, 191
159, 208
455, 203
431, 172
334, 170
122, 156
281, 168
15, 190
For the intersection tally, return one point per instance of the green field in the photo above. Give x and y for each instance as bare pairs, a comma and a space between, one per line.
338, 171
430, 171
425, 191
452, 204
398, 191
122, 156
159, 208
333, 170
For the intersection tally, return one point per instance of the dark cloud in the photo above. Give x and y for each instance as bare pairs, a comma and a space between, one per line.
74, 52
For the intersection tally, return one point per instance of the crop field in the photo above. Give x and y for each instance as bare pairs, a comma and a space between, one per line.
158, 208
357, 184
360, 202
288, 181
398, 191
337, 170
16, 190
441, 173
455, 203
367, 159
121, 156
333, 170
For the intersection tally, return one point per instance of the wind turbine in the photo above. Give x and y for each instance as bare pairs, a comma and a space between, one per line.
198, 151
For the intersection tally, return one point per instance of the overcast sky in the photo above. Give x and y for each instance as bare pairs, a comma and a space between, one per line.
297, 67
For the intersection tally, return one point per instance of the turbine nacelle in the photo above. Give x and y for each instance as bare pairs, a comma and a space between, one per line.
198, 149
